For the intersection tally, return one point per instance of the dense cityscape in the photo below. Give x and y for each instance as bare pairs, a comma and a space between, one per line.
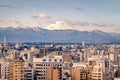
50, 61
59, 39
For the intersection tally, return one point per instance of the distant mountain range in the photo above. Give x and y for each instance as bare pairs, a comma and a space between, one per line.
62, 36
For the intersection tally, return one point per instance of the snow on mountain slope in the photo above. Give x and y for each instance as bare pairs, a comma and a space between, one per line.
59, 25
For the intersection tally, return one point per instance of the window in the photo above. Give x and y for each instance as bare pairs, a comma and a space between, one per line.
55, 60
44, 60
60, 60
50, 59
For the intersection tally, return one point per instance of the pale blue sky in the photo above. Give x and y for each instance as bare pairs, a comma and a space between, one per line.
81, 14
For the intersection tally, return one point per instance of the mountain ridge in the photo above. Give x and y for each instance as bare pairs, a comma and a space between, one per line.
43, 35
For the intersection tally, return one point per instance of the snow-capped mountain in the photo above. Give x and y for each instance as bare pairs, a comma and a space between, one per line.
64, 36
59, 25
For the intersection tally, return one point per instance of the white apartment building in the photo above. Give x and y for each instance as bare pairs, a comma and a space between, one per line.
28, 73
98, 71
41, 65
4, 70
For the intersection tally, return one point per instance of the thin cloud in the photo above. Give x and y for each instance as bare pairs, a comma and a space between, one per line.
102, 25
81, 23
15, 23
78, 23
14, 1
13, 20
1, 21
6, 6
116, 11
118, 29
98, 25
40, 15
77, 7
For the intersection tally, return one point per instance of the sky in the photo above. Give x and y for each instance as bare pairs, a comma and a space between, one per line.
83, 15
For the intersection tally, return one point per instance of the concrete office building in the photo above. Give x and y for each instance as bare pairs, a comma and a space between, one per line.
41, 65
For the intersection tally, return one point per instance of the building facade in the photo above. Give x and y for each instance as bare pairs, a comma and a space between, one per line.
41, 66
16, 70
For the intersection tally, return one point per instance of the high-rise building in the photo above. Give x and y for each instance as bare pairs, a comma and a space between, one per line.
85, 54
53, 73
117, 72
4, 69
119, 64
4, 41
98, 72
41, 65
67, 57
89, 72
53, 54
78, 74
66, 74
42, 52
39, 53
111, 49
83, 44
16, 70
28, 73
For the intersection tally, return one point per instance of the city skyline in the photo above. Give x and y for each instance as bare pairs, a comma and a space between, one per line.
59, 61
83, 15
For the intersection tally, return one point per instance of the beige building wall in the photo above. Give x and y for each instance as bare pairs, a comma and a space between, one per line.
16, 70
53, 73
78, 74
